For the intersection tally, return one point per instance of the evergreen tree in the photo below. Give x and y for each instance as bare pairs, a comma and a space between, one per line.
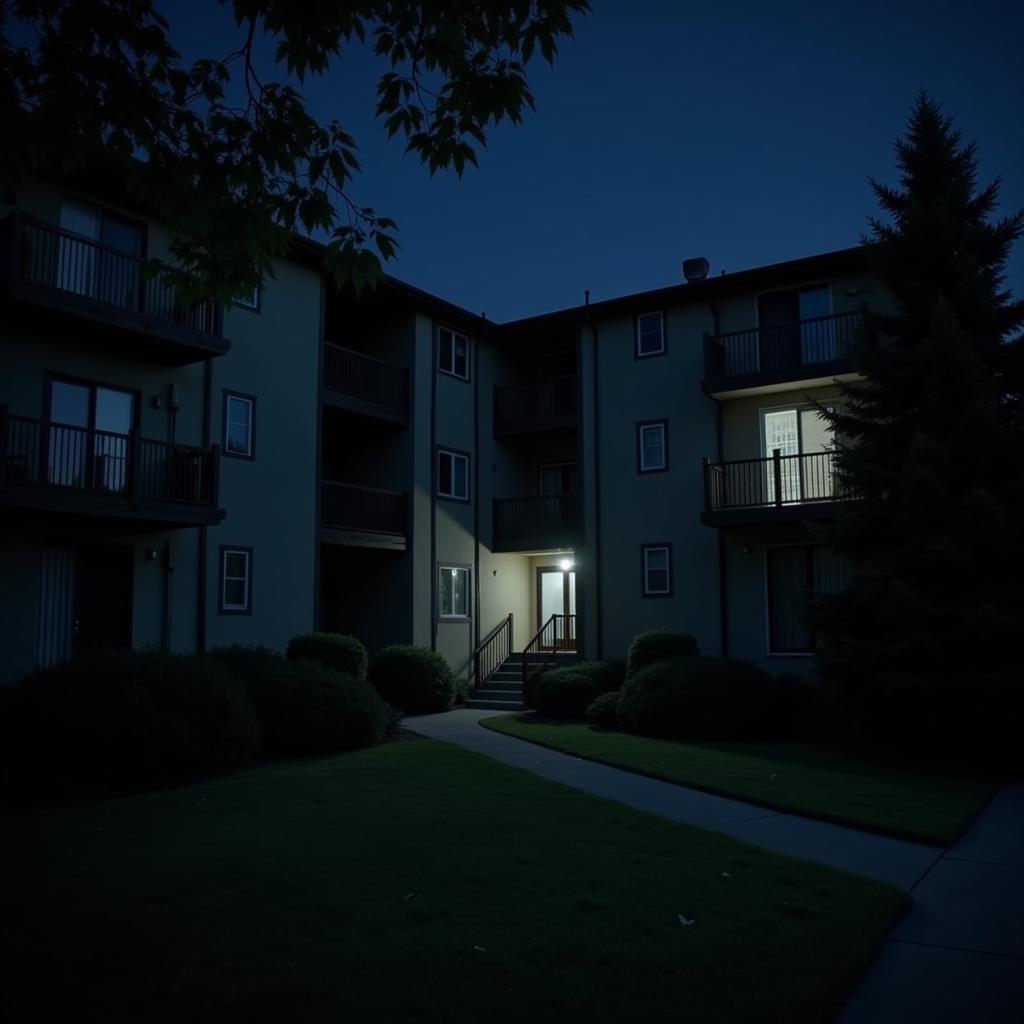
931, 441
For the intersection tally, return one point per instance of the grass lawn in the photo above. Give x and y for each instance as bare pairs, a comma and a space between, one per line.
411, 882
786, 776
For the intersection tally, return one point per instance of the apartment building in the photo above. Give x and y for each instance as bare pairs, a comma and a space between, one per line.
396, 467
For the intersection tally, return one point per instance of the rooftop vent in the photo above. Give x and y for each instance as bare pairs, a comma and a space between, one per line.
696, 269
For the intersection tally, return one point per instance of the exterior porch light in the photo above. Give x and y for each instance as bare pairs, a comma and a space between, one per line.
565, 565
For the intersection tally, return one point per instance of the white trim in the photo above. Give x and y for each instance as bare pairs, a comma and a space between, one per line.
249, 424
225, 578
640, 444
668, 570
453, 455
660, 314
455, 335
454, 616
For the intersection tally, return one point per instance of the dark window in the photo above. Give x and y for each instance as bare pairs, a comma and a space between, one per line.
239, 425
794, 575
453, 353
235, 581
452, 475
650, 335
656, 570
652, 446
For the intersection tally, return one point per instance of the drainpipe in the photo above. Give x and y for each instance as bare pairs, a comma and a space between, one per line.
723, 576
597, 483
203, 539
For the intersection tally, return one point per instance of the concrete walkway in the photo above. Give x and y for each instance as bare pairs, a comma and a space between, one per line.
958, 954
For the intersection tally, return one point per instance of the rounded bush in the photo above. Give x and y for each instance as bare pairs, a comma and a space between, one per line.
698, 698
603, 711
603, 675
563, 693
305, 707
654, 645
413, 678
130, 719
332, 650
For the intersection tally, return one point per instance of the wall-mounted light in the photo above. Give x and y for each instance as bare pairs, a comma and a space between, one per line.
151, 554
565, 564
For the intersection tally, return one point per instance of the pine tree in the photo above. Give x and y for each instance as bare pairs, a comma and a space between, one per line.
931, 439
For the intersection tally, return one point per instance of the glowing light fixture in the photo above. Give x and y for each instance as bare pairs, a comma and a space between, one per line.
565, 565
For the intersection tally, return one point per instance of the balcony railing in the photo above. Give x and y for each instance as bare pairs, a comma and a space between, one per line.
56, 465
545, 406
780, 482
782, 350
549, 521
72, 269
366, 378
365, 510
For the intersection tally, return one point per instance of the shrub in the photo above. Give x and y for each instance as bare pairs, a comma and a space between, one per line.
530, 686
654, 645
563, 693
129, 719
305, 707
332, 650
603, 711
698, 698
413, 678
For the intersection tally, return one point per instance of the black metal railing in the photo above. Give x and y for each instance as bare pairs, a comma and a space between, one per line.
68, 459
490, 655
783, 347
546, 404
350, 507
774, 482
557, 634
52, 257
354, 373
551, 518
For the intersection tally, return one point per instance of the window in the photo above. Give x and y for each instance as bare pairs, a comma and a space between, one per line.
795, 328
656, 570
452, 475
235, 581
805, 443
794, 574
251, 300
650, 335
558, 478
239, 425
453, 592
453, 353
652, 446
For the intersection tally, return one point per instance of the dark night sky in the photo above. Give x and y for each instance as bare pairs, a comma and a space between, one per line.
741, 131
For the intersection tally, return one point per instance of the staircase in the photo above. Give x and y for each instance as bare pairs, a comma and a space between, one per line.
504, 690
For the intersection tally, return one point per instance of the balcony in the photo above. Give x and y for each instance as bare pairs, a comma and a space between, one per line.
365, 385
549, 522
784, 488
363, 517
545, 407
111, 299
805, 350
58, 470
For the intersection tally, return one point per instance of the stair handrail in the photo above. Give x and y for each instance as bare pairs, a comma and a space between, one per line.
492, 651
535, 655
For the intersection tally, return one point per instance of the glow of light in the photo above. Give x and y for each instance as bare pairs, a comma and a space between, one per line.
565, 565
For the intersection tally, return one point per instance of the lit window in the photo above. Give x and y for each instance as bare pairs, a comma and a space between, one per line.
650, 335
453, 353
239, 433
652, 446
236, 580
454, 592
656, 565
452, 475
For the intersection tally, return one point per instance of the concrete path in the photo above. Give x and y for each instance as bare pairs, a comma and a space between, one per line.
958, 954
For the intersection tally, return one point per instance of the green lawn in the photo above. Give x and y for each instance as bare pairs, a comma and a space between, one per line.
787, 776
415, 881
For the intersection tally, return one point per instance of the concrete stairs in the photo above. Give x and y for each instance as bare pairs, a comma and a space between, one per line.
504, 690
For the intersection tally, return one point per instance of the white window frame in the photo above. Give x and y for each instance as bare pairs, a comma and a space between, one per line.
250, 447
246, 579
647, 591
660, 351
466, 593
453, 455
662, 426
251, 302
448, 365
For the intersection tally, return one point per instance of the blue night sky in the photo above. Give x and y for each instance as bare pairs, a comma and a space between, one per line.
744, 132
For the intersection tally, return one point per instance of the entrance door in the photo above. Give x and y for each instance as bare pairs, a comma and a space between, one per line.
798, 432
103, 613
556, 595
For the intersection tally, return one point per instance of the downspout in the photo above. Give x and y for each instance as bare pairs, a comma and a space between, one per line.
723, 573
475, 370
203, 539
598, 603
433, 487
318, 468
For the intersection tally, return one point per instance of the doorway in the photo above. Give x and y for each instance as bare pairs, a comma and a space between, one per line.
556, 596
103, 598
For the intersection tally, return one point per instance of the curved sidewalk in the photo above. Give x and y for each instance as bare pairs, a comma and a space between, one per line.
957, 955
